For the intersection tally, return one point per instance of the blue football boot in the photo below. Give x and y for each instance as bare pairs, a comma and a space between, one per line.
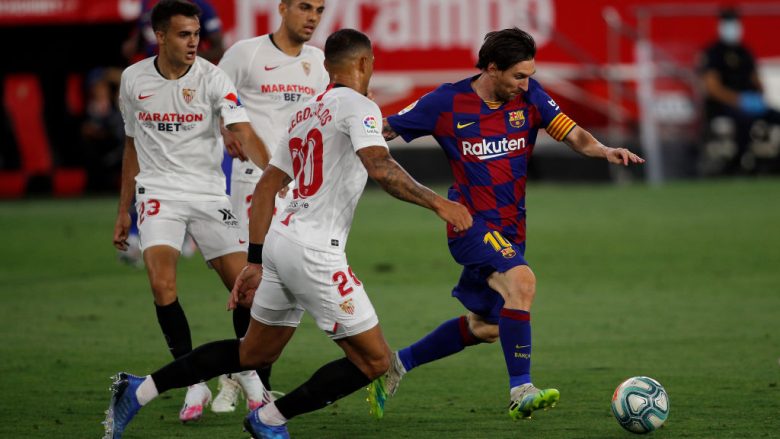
258, 430
124, 404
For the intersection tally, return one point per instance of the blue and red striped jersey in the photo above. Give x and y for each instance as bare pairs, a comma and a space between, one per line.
488, 149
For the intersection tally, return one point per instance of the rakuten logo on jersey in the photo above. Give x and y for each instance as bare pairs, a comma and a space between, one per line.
487, 149
170, 122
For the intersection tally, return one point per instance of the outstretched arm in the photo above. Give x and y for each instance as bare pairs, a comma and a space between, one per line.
394, 179
584, 143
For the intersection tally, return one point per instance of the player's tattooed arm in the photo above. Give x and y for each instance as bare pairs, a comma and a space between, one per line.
387, 130
394, 179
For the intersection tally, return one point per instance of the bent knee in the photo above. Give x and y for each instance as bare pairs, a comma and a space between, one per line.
487, 335
255, 360
525, 291
164, 291
521, 288
483, 331
375, 367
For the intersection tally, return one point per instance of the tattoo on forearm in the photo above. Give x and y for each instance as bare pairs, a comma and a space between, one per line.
401, 185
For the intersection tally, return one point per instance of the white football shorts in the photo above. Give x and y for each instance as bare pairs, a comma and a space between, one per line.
241, 199
211, 224
296, 278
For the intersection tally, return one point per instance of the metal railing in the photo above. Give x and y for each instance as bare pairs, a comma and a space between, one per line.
652, 63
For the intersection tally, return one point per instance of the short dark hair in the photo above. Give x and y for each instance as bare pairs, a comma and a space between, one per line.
165, 9
345, 43
729, 14
506, 48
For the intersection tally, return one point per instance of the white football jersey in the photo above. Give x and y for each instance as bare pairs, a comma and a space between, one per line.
175, 126
319, 154
272, 84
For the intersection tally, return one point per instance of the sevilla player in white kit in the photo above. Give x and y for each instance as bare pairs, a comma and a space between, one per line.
334, 143
274, 74
172, 105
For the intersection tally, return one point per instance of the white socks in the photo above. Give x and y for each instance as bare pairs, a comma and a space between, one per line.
147, 391
270, 415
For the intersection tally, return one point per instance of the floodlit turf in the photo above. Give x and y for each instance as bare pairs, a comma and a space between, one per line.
680, 283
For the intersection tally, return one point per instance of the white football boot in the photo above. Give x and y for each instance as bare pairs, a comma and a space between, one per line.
198, 396
254, 391
394, 374
227, 398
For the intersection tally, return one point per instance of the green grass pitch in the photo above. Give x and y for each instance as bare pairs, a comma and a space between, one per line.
680, 283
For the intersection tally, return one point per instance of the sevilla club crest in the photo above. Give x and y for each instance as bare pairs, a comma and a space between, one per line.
306, 67
516, 119
348, 307
188, 94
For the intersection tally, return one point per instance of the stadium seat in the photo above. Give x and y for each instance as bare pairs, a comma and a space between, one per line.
12, 184
23, 102
69, 182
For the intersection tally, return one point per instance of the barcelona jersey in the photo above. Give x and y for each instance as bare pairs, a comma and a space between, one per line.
488, 148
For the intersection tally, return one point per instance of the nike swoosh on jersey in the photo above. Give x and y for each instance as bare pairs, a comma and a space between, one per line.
142, 97
464, 125
490, 156
241, 241
268, 69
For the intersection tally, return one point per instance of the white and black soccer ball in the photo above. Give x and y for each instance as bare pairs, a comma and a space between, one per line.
640, 404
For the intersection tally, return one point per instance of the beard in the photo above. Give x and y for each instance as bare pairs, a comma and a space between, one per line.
298, 37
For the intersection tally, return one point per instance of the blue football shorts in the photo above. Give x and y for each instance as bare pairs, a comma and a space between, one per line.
482, 251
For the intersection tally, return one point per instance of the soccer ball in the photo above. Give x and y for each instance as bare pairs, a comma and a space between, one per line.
640, 404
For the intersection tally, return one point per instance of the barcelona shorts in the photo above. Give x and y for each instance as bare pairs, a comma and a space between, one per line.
482, 251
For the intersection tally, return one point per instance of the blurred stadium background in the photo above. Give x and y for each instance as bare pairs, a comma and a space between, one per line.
624, 69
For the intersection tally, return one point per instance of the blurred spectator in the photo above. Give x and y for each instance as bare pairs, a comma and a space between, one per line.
142, 43
734, 102
102, 132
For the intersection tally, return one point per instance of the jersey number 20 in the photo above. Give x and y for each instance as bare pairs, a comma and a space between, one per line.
307, 163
